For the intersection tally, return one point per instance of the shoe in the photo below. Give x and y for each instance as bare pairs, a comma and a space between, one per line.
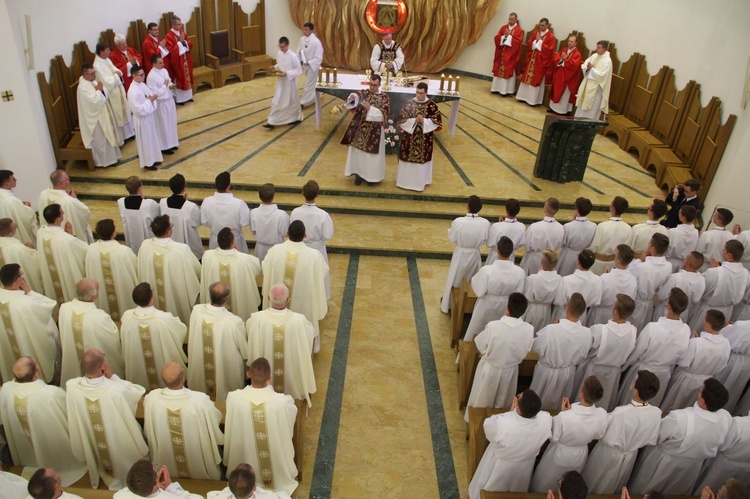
150, 168
173, 148
357, 179
157, 163
168, 151
295, 122
371, 183
268, 125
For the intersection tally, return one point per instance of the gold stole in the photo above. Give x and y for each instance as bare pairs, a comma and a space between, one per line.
262, 446
109, 286
22, 412
278, 357
8, 324
177, 438
2, 259
225, 277
290, 269
77, 327
101, 444
54, 274
161, 293
148, 356
209, 367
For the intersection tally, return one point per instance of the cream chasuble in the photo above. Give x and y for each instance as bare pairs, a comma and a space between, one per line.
14, 251
237, 270
114, 266
75, 212
24, 216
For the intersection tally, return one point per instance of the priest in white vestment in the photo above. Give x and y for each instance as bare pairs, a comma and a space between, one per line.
171, 269
302, 270
14, 251
286, 338
115, 267
143, 480
151, 339
711, 242
688, 279
650, 271
19, 211
468, 234
545, 234
515, 438
224, 210
83, 326
137, 213
318, 224
237, 270
310, 52
629, 427
682, 239
609, 235
731, 462
184, 214
492, 285
611, 346
582, 281
593, 93
508, 226
15, 485
736, 375
27, 327
561, 347
165, 116
619, 280
96, 119
503, 343
687, 437
241, 484
260, 422
114, 84
101, 421
62, 256
35, 420
45, 482
76, 212
577, 236
640, 234
657, 348
541, 289
268, 223
142, 102
285, 106
190, 415
572, 429
217, 348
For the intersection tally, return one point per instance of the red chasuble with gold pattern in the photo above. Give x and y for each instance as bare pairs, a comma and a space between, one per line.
121, 62
180, 66
506, 58
539, 63
362, 134
417, 147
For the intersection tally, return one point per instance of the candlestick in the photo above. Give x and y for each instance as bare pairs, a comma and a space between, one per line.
328, 76
335, 75
450, 83
458, 81
442, 82
320, 76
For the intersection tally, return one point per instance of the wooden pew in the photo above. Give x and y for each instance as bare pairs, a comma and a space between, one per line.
463, 300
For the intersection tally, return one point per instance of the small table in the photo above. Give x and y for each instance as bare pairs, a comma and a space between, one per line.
397, 95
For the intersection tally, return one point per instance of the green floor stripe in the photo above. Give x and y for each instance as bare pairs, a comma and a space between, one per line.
325, 457
314, 157
219, 125
441, 444
454, 163
223, 110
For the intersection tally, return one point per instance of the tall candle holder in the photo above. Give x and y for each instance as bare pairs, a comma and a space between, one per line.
458, 81
442, 84
387, 86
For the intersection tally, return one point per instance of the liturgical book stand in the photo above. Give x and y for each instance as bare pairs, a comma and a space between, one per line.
565, 147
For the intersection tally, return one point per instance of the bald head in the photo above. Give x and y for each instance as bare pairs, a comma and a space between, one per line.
25, 370
87, 289
279, 296
173, 375
218, 292
57, 178
92, 362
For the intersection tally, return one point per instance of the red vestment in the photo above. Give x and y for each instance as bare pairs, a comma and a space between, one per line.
539, 63
121, 63
568, 75
416, 147
180, 66
506, 58
363, 134
149, 49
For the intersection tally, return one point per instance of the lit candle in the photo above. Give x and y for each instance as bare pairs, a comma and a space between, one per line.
458, 80
335, 75
328, 75
320, 76
442, 82
450, 82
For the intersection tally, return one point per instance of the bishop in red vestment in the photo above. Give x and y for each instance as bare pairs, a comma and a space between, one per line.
124, 58
508, 42
153, 46
566, 78
180, 61
539, 64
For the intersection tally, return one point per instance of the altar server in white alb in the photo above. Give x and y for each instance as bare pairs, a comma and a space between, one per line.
96, 120
115, 267
688, 279
318, 224
640, 234
651, 272
166, 111
235, 269
62, 256
101, 421
114, 85
171, 269
578, 234
629, 427
224, 210
609, 235
242, 484
493, 284
731, 462
77, 213
611, 345
310, 52
137, 213
711, 242
151, 339
27, 327
19, 211
184, 214
541, 289
142, 102
83, 326
515, 438
545, 234
468, 233
13, 250
190, 415
285, 106
618, 280
593, 93
286, 338
737, 373
503, 344
687, 437
582, 281
572, 430
35, 420
217, 348
682, 239
508, 226
260, 422
268, 223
